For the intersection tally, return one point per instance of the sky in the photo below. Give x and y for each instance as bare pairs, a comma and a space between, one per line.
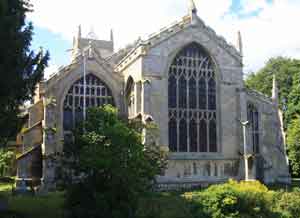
269, 28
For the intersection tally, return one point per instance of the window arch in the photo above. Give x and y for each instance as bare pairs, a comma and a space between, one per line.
253, 118
192, 101
97, 94
130, 96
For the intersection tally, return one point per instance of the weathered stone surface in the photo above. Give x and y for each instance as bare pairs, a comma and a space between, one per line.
147, 64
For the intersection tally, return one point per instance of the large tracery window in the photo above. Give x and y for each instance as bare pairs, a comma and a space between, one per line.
192, 102
97, 94
253, 118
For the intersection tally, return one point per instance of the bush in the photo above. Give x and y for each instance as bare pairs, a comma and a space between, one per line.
288, 204
234, 200
6, 162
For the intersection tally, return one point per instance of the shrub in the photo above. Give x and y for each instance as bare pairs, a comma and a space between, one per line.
288, 204
6, 161
234, 200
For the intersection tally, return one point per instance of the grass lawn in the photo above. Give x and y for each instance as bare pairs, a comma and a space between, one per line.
162, 205
49, 206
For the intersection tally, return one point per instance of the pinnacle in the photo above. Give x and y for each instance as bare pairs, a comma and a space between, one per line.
193, 8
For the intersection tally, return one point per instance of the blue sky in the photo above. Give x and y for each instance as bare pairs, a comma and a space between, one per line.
54, 43
268, 26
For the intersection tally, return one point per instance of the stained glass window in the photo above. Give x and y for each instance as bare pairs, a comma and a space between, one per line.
73, 103
253, 118
130, 97
192, 102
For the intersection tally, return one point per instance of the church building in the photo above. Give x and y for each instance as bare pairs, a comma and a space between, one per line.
184, 78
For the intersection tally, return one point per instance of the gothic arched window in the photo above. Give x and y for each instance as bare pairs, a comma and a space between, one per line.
192, 102
130, 97
97, 94
253, 118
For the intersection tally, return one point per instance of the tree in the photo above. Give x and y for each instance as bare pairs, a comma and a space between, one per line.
108, 167
293, 141
287, 73
21, 68
285, 69
6, 161
294, 99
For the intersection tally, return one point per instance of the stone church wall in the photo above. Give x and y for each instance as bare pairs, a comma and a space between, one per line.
154, 69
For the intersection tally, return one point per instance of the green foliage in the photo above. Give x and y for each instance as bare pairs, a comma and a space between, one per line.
293, 141
6, 161
233, 200
288, 204
287, 73
21, 68
110, 167
285, 70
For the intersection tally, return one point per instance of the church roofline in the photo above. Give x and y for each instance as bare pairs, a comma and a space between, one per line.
168, 31
258, 95
55, 77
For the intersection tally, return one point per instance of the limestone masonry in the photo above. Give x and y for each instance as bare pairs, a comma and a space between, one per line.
184, 78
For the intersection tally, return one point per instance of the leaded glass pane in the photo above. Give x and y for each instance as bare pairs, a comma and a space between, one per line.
192, 93
172, 91
211, 94
182, 92
253, 118
212, 136
193, 136
68, 119
202, 94
182, 136
203, 136
192, 101
173, 135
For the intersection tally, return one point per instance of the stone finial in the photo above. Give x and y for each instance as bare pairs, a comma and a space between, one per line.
240, 43
112, 38
275, 95
79, 32
77, 39
111, 35
193, 12
90, 50
192, 7
76, 44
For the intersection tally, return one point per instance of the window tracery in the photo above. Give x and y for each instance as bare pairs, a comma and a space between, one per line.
97, 94
130, 97
253, 118
192, 102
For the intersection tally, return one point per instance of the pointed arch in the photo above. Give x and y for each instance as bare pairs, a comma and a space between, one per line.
130, 96
97, 94
253, 118
192, 100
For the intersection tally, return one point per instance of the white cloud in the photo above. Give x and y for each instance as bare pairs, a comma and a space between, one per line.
274, 31
253, 5
52, 68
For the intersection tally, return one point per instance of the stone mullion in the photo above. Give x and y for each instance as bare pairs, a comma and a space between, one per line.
206, 118
73, 106
197, 78
177, 106
187, 104
197, 111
